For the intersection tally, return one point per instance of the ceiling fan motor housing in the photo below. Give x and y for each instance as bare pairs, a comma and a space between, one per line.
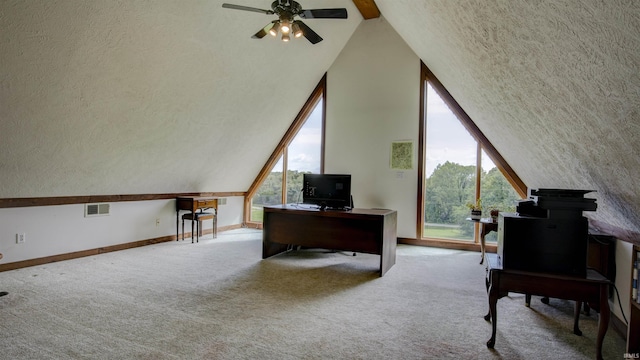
286, 10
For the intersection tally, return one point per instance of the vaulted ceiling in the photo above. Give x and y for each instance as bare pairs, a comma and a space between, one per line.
93, 94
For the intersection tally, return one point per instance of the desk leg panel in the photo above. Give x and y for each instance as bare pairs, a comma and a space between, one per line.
389, 243
270, 249
269, 232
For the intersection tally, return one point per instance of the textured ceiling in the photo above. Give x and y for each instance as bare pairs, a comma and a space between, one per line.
94, 93
554, 85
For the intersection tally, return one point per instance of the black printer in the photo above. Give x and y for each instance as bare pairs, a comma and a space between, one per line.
547, 233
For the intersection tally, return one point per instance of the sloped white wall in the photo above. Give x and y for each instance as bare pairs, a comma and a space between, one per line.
137, 97
373, 91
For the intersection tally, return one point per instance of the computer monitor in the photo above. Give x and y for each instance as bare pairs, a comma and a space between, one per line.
327, 190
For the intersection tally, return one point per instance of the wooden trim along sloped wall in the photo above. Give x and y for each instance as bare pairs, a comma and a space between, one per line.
87, 199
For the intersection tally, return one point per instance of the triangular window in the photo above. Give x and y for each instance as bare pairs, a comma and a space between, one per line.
299, 152
460, 167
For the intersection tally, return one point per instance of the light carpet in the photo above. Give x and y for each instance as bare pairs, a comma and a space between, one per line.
218, 299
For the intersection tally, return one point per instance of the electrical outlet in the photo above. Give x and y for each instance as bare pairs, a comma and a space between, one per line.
21, 238
157, 222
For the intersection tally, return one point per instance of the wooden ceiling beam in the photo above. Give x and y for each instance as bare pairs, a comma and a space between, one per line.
368, 8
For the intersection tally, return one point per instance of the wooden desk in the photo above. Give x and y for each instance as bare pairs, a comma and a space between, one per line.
194, 204
370, 231
594, 288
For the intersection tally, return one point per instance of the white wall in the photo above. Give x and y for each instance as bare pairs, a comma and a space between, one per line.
623, 278
54, 230
373, 91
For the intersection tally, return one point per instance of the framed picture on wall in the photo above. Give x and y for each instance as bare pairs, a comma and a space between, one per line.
402, 155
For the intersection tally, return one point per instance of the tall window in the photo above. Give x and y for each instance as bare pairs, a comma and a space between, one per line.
304, 154
457, 170
269, 192
299, 152
450, 172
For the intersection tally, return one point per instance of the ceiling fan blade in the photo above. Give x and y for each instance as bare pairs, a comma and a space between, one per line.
247, 8
264, 31
324, 14
308, 33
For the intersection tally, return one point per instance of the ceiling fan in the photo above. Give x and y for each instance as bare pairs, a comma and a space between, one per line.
286, 11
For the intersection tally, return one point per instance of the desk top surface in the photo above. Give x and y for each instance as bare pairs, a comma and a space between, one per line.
483, 220
190, 198
313, 209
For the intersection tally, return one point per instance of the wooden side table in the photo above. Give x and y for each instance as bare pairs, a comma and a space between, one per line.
194, 204
594, 288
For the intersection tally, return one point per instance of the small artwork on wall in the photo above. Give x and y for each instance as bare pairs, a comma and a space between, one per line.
402, 155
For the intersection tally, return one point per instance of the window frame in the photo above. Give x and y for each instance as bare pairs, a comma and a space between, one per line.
319, 93
427, 77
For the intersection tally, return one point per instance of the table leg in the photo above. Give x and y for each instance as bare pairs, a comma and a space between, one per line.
215, 222
545, 300
587, 309
494, 294
487, 284
576, 319
178, 225
3, 293
603, 321
482, 234
192, 221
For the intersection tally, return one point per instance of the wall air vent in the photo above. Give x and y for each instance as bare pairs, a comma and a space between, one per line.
96, 210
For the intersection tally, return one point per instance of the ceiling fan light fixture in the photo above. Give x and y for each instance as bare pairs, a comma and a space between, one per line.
274, 30
297, 32
285, 27
286, 23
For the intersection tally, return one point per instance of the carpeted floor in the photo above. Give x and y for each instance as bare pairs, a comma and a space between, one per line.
219, 300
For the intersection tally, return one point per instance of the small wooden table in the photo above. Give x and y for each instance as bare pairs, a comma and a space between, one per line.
594, 288
487, 225
193, 204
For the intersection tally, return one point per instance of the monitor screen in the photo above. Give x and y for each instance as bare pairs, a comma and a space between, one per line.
327, 190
